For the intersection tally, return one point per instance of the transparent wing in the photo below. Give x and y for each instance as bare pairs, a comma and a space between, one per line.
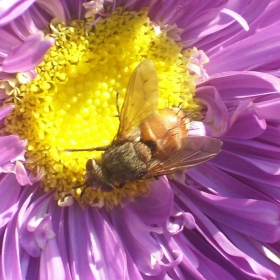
194, 150
141, 98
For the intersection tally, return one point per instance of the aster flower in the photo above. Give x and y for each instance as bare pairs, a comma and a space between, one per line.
62, 63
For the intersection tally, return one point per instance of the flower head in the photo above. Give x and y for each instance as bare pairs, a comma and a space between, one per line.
61, 69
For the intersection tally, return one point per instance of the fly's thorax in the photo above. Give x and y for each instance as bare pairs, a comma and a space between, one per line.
127, 161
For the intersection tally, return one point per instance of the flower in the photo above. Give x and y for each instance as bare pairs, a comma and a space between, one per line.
62, 63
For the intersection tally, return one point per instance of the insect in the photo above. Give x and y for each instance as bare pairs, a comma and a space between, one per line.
149, 142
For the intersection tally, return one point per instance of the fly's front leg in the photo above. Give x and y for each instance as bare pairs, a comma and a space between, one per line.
104, 148
117, 103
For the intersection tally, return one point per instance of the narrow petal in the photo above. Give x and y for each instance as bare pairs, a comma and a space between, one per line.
252, 14
239, 56
196, 263
11, 149
5, 111
51, 266
143, 249
216, 117
9, 10
156, 206
33, 233
60, 227
222, 245
9, 40
269, 109
54, 7
27, 55
23, 177
10, 254
246, 126
241, 165
106, 267
254, 249
78, 244
258, 219
8, 205
226, 184
244, 84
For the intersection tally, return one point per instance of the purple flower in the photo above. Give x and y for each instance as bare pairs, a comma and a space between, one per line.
61, 62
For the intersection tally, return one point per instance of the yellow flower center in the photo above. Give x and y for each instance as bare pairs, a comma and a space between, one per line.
71, 104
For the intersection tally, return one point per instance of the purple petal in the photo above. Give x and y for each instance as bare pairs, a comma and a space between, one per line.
3, 94
232, 85
78, 243
73, 9
219, 182
60, 227
216, 115
7, 168
10, 252
8, 41
10, 190
88, 232
55, 8
258, 219
11, 149
26, 179
156, 206
239, 56
253, 149
196, 263
24, 26
205, 21
106, 266
247, 126
220, 243
21, 174
44, 232
271, 135
132, 270
51, 266
144, 250
179, 221
252, 14
255, 250
32, 230
11, 9
14, 253
27, 55
267, 173
269, 109
5, 111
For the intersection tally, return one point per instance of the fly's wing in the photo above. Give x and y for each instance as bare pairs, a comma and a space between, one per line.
194, 150
141, 100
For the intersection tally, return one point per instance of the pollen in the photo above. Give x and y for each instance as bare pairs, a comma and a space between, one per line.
71, 104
